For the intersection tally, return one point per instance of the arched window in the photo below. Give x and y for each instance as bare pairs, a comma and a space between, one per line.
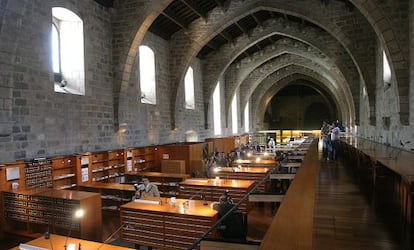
147, 75
67, 52
246, 118
189, 89
386, 70
217, 110
234, 116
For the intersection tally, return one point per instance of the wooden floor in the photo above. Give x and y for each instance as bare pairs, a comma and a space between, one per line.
348, 216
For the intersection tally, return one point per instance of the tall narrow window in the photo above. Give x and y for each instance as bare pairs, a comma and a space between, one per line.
147, 75
217, 110
246, 118
189, 89
56, 52
386, 70
234, 117
67, 50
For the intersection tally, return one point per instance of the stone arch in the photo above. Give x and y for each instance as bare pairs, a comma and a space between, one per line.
236, 11
393, 36
136, 19
268, 88
247, 87
255, 80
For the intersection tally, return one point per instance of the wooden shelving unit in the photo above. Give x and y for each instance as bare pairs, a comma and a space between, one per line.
99, 166
64, 172
38, 173
106, 166
116, 166
142, 159
40, 210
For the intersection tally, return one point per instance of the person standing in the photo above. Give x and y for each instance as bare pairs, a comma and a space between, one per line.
335, 141
325, 139
272, 144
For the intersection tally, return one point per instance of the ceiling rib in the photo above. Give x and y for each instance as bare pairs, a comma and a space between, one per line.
195, 8
172, 15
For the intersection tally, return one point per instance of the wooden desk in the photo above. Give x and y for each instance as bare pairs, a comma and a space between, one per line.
212, 189
243, 173
253, 162
290, 165
58, 242
167, 182
113, 195
166, 226
296, 158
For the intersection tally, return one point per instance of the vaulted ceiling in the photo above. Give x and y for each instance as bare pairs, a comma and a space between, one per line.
331, 43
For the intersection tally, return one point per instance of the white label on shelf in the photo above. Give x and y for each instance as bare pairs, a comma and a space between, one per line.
84, 174
129, 153
84, 160
129, 165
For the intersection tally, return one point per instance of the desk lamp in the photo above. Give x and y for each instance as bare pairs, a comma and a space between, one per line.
78, 214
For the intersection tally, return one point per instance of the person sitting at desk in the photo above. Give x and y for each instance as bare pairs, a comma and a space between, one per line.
146, 189
233, 226
221, 160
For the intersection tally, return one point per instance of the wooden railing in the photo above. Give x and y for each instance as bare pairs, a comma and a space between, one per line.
292, 226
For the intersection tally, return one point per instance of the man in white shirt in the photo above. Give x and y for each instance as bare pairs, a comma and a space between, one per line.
335, 141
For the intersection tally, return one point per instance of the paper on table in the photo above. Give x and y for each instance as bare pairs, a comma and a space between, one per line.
147, 201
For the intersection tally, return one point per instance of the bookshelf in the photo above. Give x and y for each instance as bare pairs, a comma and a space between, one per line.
64, 172
116, 166
105, 166
142, 159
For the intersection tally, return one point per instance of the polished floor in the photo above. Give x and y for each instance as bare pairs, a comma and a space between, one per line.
347, 215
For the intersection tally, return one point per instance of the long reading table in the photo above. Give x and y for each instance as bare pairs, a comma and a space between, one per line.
212, 189
164, 224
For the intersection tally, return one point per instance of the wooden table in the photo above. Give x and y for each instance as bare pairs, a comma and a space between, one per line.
256, 162
212, 189
165, 225
243, 173
290, 165
58, 242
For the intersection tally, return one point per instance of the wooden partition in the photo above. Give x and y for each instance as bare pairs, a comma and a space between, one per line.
292, 226
190, 152
223, 144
